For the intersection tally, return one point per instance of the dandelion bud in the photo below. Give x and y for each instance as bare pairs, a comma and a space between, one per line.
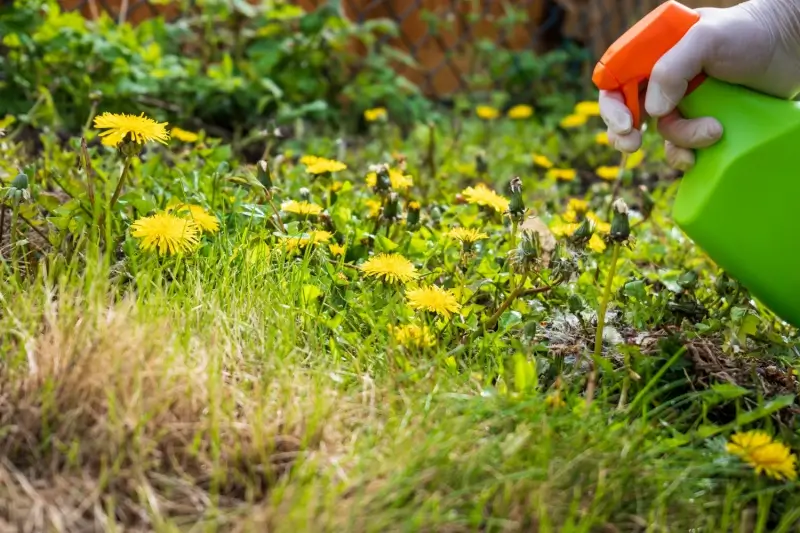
327, 222
95, 96
526, 256
620, 226
413, 214
583, 233
130, 148
516, 207
436, 213
383, 182
264, 175
305, 194
19, 189
391, 211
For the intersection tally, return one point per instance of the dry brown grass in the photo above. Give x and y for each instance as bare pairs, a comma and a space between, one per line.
114, 420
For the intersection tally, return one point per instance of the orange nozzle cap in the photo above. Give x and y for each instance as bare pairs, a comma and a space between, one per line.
629, 61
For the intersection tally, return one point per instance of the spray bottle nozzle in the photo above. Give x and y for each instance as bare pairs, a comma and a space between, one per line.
630, 60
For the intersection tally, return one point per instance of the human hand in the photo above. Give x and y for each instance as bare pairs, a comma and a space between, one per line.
755, 44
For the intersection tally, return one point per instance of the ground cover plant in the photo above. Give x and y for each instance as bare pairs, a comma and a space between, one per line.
482, 321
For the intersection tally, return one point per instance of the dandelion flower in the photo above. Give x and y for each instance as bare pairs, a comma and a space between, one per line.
204, 220
602, 138
374, 208
487, 112
596, 243
599, 225
466, 235
168, 233
301, 208
433, 299
482, 195
294, 243
561, 174
634, 160
412, 336
337, 249
564, 230
607, 173
375, 114
542, 161
573, 121
520, 112
399, 181
184, 136
393, 268
766, 456
325, 166
309, 160
139, 129
578, 205
588, 108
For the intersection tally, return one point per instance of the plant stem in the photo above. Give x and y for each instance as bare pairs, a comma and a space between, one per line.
122, 177
12, 237
513, 232
275, 210
492, 320
87, 167
601, 318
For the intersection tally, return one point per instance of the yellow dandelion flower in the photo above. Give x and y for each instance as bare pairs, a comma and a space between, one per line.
466, 235
561, 174
589, 109
139, 129
570, 215
168, 233
596, 243
184, 136
487, 112
375, 114
634, 160
607, 173
314, 237
301, 208
520, 112
412, 336
765, 455
399, 181
325, 166
577, 205
413, 204
573, 121
482, 195
599, 225
602, 138
337, 186
563, 230
374, 208
434, 299
309, 160
337, 249
542, 161
393, 268
205, 220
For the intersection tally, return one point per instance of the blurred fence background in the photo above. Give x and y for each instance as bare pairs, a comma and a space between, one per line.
443, 36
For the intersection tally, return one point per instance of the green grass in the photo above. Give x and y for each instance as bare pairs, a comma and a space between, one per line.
231, 391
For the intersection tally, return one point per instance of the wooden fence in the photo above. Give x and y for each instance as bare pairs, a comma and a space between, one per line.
445, 57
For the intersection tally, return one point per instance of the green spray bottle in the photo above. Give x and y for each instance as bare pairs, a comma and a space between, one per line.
744, 191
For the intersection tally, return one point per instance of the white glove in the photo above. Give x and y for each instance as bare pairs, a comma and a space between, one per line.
755, 44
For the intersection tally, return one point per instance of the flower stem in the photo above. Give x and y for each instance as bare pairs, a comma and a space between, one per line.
601, 318
12, 239
513, 232
617, 183
492, 320
122, 177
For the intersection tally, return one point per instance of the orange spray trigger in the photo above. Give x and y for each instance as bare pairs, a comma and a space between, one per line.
630, 60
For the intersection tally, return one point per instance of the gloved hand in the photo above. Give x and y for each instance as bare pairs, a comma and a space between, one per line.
755, 44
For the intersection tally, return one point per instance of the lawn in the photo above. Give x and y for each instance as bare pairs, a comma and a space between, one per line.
358, 318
